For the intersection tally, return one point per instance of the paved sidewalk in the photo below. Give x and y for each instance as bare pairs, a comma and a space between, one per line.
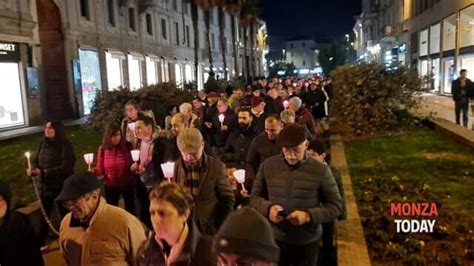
443, 106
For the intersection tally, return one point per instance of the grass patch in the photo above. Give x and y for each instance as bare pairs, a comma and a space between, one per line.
419, 165
13, 162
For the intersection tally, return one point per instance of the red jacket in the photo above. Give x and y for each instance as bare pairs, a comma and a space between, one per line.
114, 164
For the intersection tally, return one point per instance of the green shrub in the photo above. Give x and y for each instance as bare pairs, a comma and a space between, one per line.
368, 99
109, 105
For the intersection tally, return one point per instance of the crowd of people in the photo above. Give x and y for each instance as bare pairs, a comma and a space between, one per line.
202, 214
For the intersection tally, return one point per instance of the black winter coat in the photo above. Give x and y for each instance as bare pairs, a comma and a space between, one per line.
56, 159
19, 244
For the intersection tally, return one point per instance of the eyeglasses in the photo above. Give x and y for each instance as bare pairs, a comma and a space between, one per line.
68, 204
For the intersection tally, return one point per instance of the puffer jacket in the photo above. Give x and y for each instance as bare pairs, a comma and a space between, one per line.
56, 159
114, 164
309, 186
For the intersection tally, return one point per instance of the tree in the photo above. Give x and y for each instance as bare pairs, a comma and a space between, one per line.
369, 99
233, 7
223, 44
248, 16
332, 55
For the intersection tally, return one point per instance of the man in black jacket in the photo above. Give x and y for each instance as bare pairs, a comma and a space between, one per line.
296, 193
19, 245
462, 89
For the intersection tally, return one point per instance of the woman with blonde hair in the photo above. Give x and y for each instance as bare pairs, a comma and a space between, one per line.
175, 239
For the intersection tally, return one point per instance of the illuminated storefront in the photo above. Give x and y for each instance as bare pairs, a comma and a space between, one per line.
114, 61
152, 64
135, 70
11, 102
90, 78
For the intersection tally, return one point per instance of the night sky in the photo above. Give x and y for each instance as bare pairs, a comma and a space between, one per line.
321, 20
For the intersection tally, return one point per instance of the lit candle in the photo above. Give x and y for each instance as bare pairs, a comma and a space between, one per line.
89, 158
221, 118
131, 126
28, 159
135, 155
168, 170
286, 104
240, 177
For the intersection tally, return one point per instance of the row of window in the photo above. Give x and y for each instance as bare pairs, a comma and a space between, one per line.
149, 23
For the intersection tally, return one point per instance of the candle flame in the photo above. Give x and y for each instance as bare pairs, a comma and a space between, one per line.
27, 154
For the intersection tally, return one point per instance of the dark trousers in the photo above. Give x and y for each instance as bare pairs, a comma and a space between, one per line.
299, 255
48, 204
112, 196
328, 250
458, 108
143, 204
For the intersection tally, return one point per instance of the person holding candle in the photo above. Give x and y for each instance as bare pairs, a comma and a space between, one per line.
175, 239
223, 122
132, 111
53, 163
19, 244
113, 163
206, 179
148, 166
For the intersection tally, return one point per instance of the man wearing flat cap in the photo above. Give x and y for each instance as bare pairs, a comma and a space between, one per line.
206, 178
296, 193
94, 232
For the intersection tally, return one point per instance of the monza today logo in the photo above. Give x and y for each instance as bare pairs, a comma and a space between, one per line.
414, 217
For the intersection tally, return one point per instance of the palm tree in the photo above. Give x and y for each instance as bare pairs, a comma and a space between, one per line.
222, 39
233, 7
194, 18
248, 16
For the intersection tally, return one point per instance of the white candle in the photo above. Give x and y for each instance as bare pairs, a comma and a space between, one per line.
28, 159
168, 170
240, 177
135, 155
221, 118
89, 158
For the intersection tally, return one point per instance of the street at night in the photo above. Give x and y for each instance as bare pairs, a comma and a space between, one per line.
237, 132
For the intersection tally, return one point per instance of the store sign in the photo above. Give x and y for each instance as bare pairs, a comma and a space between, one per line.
9, 52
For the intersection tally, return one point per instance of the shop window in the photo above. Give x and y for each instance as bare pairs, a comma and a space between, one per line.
435, 38
134, 72
466, 25
90, 78
449, 33
11, 104
423, 43
114, 69
151, 71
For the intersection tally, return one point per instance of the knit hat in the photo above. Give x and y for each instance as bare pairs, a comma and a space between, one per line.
5, 192
245, 232
190, 140
256, 101
292, 135
212, 94
77, 185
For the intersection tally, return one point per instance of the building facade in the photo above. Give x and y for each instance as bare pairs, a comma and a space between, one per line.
434, 36
303, 54
59, 54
